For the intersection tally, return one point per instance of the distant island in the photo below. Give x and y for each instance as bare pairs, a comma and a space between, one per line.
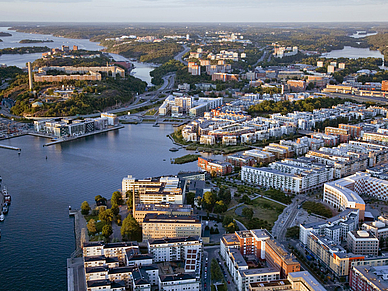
24, 50
5, 33
35, 41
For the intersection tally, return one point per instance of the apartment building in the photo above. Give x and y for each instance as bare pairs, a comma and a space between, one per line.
342, 133
368, 278
153, 190
377, 138
345, 192
335, 228
239, 160
179, 282
277, 257
141, 210
158, 226
91, 249
378, 228
302, 281
362, 242
245, 245
215, 167
186, 249
290, 175
260, 156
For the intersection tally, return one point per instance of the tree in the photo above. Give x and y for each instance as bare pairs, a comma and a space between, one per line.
220, 207
116, 198
85, 208
115, 209
106, 215
209, 198
92, 226
107, 231
98, 198
130, 199
247, 212
130, 228
190, 198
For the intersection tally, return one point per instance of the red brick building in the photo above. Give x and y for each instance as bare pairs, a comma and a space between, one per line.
215, 167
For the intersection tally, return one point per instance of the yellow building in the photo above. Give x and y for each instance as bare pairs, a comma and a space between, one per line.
157, 226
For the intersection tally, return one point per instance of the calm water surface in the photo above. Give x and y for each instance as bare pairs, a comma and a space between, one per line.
353, 53
37, 234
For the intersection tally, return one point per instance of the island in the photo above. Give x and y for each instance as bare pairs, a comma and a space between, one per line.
35, 41
5, 33
24, 50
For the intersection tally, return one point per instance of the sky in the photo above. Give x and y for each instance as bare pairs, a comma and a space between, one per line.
194, 10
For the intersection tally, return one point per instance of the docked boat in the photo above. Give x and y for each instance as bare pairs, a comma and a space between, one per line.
5, 209
7, 197
173, 149
2, 217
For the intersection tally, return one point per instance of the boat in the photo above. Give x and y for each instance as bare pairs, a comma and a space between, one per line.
5, 209
2, 217
173, 149
7, 197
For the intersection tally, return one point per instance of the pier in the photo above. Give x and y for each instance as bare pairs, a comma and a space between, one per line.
10, 147
62, 140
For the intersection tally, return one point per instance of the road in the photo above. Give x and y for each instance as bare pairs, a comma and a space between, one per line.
382, 100
212, 252
285, 219
179, 56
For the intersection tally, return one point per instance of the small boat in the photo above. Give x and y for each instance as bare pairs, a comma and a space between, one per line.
173, 149
5, 209
2, 217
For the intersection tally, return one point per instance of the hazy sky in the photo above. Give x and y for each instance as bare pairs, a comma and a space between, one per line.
194, 10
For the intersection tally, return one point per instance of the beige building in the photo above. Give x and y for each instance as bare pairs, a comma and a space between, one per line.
141, 210
362, 242
167, 226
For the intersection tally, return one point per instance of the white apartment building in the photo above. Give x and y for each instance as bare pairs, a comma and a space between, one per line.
345, 192
174, 249
179, 282
290, 175
335, 228
153, 190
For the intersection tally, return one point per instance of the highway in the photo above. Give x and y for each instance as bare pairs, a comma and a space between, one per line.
179, 56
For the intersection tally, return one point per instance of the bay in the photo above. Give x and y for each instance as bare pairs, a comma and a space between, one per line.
37, 234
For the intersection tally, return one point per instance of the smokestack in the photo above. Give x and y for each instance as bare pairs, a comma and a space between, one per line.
29, 76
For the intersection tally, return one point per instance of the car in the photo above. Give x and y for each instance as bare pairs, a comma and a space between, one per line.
228, 282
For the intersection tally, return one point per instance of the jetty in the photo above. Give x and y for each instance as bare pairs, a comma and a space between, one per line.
10, 147
62, 140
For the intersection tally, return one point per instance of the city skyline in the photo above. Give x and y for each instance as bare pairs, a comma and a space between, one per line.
190, 11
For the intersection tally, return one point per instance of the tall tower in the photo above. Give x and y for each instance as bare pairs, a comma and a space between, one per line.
29, 76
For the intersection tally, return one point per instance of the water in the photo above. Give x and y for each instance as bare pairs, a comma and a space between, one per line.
37, 234
141, 71
353, 53
362, 34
